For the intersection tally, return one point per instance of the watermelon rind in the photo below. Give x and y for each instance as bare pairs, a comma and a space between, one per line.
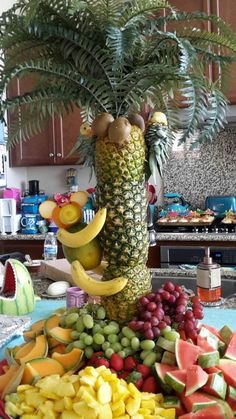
212, 339
186, 353
166, 344
161, 370
216, 385
197, 401
196, 378
228, 368
171, 401
211, 412
226, 333
168, 358
209, 359
230, 352
176, 379
231, 398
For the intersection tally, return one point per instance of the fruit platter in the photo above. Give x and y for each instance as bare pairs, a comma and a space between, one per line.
189, 218
230, 217
163, 363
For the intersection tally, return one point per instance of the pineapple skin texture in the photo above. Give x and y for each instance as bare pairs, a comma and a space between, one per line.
120, 188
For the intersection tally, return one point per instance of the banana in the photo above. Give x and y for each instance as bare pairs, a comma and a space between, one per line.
93, 287
82, 237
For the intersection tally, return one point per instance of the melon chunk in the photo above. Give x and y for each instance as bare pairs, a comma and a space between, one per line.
61, 335
40, 349
24, 349
196, 377
70, 360
176, 379
197, 401
228, 368
216, 385
51, 322
230, 352
186, 353
13, 380
30, 375
47, 366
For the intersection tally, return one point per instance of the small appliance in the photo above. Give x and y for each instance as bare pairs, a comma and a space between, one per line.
13, 193
221, 204
30, 213
9, 219
33, 187
175, 202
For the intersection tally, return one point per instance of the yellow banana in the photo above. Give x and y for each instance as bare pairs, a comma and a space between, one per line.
82, 237
94, 287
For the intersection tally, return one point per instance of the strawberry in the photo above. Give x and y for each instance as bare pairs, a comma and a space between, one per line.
123, 374
129, 363
144, 370
135, 378
116, 362
102, 361
98, 359
150, 385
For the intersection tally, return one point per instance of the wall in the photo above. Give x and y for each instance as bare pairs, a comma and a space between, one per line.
208, 170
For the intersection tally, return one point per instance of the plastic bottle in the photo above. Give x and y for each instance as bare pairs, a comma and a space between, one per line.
209, 281
50, 247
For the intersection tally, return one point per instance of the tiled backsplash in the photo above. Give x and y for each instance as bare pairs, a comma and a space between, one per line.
208, 170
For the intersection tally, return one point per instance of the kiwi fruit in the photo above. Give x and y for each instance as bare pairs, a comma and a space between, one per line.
101, 124
119, 130
136, 119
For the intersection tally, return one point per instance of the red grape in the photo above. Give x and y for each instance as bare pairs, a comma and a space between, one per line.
172, 299
179, 288
154, 321
147, 325
146, 315
180, 308
169, 286
156, 332
166, 295
144, 300
149, 334
151, 296
162, 325
151, 306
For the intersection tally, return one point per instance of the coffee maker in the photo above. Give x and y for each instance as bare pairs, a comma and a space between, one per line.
30, 208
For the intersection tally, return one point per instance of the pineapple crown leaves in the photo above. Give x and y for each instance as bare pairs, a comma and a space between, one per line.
159, 141
111, 56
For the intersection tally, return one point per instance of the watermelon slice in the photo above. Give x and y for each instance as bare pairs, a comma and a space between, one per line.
212, 330
231, 398
211, 370
196, 378
197, 401
211, 412
176, 379
211, 338
225, 334
161, 370
230, 352
228, 368
215, 385
175, 403
209, 359
186, 353
204, 344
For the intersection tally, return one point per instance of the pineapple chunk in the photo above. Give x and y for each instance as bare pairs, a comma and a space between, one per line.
105, 412
148, 404
25, 408
65, 389
133, 405
59, 405
13, 410
169, 413
69, 414
47, 406
81, 408
118, 408
23, 387
67, 403
104, 393
34, 399
134, 391
32, 416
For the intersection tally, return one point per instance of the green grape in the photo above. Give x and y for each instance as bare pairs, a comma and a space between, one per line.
116, 346
143, 354
79, 326
113, 338
115, 325
83, 335
135, 343
101, 313
121, 354
88, 321
98, 338
79, 344
103, 323
62, 321
69, 347
75, 335
147, 344
88, 351
71, 318
88, 340
109, 352
105, 345
96, 328
127, 332
128, 351
171, 335
150, 359
72, 310
166, 329
125, 342
110, 329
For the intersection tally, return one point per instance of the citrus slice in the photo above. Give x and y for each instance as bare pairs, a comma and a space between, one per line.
56, 218
81, 197
71, 213
46, 208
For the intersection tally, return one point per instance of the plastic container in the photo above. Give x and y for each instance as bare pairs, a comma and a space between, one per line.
208, 281
50, 247
75, 297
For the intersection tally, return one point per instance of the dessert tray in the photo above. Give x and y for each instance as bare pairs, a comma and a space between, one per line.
230, 217
192, 218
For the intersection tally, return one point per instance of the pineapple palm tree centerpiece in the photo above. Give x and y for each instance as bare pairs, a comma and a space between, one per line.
109, 58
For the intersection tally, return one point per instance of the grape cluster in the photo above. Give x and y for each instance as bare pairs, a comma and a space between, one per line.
168, 306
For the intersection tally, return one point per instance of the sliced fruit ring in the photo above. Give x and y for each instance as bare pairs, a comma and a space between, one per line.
71, 214
56, 218
81, 197
46, 208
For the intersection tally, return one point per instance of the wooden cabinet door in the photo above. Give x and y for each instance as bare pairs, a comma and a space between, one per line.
67, 132
226, 9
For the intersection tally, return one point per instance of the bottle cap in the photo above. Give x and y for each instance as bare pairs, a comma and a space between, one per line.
207, 260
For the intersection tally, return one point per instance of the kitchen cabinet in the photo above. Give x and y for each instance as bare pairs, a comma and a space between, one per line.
53, 144
34, 248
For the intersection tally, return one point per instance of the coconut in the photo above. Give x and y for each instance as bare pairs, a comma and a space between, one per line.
101, 124
119, 130
136, 119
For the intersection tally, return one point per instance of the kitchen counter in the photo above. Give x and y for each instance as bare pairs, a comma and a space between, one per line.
198, 237
20, 236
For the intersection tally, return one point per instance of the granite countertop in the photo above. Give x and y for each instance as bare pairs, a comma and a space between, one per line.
188, 273
22, 236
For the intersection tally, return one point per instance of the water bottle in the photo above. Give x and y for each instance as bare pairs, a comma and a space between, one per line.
50, 247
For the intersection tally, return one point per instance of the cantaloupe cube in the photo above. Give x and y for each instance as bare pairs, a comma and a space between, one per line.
132, 405
104, 393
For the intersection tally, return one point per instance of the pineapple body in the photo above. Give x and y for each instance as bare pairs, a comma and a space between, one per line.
120, 188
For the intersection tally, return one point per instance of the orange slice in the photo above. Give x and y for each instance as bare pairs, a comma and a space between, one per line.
71, 214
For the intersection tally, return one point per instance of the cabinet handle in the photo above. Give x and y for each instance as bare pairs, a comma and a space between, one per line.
58, 154
51, 154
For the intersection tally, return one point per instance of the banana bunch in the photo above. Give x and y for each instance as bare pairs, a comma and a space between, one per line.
83, 237
95, 287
